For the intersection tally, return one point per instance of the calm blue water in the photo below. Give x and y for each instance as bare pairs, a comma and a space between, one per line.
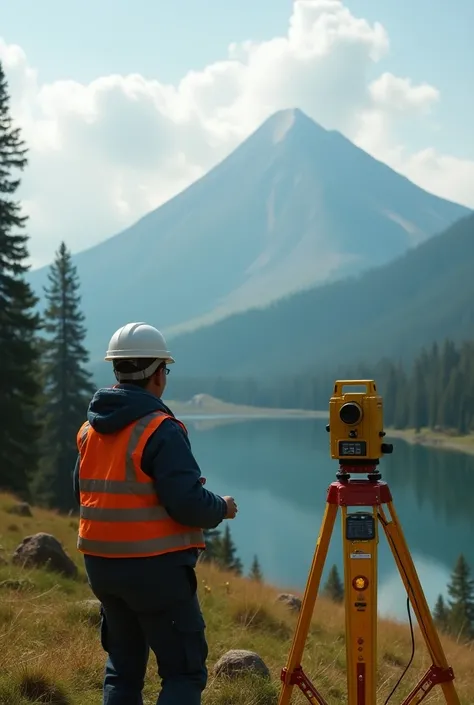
279, 471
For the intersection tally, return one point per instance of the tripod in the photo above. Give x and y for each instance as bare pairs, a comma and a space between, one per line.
360, 539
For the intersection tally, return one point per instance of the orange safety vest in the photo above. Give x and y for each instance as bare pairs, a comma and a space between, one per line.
121, 515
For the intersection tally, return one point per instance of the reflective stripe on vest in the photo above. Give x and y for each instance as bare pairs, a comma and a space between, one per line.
120, 513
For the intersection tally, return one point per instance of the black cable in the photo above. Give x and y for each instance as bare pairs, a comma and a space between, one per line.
409, 614
411, 657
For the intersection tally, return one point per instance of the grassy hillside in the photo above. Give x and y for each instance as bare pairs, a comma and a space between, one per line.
50, 642
392, 311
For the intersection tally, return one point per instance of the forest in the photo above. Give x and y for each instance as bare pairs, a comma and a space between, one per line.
436, 391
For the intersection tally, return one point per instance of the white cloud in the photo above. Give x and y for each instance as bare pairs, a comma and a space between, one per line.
105, 153
399, 95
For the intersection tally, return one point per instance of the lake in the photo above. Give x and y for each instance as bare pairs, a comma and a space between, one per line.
279, 470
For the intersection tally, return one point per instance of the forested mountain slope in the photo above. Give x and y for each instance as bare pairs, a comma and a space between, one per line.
425, 295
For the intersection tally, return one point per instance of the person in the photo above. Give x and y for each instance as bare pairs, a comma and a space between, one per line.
143, 509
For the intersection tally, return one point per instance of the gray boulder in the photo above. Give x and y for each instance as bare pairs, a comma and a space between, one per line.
44, 550
240, 662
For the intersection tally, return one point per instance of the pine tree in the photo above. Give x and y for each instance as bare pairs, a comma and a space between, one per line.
255, 570
434, 387
227, 558
334, 588
419, 396
68, 385
461, 604
441, 614
19, 323
213, 541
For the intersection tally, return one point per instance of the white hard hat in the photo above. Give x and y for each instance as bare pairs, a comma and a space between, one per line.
134, 340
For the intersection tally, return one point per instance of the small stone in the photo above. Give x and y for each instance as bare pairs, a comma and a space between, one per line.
91, 604
239, 662
23, 584
22, 509
90, 611
293, 601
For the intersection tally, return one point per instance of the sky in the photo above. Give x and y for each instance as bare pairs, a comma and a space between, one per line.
121, 109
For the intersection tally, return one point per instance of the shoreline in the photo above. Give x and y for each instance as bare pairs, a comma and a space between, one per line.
204, 408
207, 407
438, 440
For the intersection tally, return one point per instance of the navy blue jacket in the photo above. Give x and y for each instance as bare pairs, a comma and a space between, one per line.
167, 456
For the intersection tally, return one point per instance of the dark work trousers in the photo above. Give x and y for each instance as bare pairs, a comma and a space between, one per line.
149, 604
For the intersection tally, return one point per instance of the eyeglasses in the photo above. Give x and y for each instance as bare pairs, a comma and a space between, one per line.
167, 370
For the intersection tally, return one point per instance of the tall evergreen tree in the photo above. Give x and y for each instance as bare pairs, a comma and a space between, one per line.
68, 385
441, 614
434, 386
255, 572
419, 401
228, 559
334, 589
19, 323
461, 602
213, 540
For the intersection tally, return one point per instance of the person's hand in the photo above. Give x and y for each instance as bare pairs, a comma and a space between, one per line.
231, 507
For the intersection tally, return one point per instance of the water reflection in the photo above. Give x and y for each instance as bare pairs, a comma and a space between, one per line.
279, 471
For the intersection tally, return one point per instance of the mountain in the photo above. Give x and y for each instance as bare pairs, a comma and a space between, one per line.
294, 205
423, 296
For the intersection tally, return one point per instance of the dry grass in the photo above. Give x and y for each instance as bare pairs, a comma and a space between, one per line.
50, 651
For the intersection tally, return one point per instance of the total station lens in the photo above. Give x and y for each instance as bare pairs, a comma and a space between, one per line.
350, 413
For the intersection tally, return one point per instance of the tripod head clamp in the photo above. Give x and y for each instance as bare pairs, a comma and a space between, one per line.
356, 428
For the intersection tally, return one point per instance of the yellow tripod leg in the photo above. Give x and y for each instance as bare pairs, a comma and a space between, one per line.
360, 597
306, 612
440, 672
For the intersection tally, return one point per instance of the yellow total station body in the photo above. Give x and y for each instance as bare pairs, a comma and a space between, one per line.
356, 423
356, 428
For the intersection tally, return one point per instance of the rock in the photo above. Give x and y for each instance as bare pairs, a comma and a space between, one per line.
92, 604
44, 550
23, 584
22, 509
89, 611
293, 602
240, 661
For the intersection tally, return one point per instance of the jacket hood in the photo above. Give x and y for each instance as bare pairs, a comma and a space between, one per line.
113, 408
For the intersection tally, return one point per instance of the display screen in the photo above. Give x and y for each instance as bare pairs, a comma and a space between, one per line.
355, 448
360, 527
